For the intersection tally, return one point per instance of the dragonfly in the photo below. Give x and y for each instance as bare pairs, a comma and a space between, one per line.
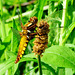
26, 35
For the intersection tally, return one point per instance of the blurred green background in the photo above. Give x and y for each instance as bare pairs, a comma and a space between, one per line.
59, 57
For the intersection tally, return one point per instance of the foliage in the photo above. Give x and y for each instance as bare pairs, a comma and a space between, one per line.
59, 57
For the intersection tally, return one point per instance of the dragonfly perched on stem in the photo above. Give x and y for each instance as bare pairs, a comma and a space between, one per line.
28, 32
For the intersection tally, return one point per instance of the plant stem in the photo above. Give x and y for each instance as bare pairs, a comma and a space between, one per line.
12, 38
51, 8
65, 4
71, 2
20, 8
39, 64
3, 32
2, 23
50, 11
14, 10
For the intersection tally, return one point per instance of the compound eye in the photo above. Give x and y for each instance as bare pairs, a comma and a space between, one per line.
35, 20
31, 18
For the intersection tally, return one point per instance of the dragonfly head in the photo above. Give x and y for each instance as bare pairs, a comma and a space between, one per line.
34, 19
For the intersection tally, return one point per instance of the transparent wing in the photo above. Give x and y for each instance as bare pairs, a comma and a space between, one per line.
16, 33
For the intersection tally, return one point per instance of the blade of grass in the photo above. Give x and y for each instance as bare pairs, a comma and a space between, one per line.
50, 11
71, 2
20, 8
61, 71
3, 32
65, 5
41, 4
67, 33
51, 7
2, 23
12, 38
14, 10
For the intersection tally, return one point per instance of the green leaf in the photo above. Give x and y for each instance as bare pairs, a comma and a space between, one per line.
30, 55
27, 59
10, 54
73, 17
68, 71
59, 56
5, 65
46, 72
49, 68
68, 31
9, 63
31, 70
7, 39
2, 47
14, 68
70, 45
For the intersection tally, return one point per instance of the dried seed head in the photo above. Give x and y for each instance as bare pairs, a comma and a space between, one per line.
41, 41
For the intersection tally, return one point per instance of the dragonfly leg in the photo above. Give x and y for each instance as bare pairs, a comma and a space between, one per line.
22, 26
32, 34
21, 34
